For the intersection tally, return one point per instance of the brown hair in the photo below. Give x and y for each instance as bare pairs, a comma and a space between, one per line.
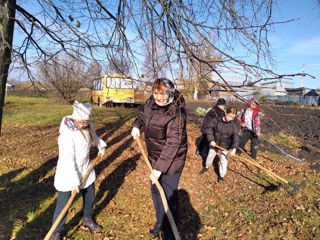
157, 85
231, 110
163, 82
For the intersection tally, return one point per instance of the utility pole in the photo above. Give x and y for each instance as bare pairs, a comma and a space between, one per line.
302, 77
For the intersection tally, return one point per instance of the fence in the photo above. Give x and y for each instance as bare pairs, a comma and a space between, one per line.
304, 100
82, 93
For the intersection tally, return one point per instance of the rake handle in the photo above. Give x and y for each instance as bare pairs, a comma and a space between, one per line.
269, 174
162, 194
255, 164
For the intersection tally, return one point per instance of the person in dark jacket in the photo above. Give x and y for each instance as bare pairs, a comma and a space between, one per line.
163, 118
225, 133
216, 112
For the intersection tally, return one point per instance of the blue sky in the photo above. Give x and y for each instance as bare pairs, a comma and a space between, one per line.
296, 45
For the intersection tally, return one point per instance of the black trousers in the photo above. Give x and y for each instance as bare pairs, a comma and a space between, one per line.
245, 137
169, 184
202, 145
63, 197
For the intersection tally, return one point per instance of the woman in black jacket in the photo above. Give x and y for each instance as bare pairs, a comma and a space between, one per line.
225, 133
163, 118
217, 111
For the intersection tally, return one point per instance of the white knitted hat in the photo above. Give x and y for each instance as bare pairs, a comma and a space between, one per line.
82, 111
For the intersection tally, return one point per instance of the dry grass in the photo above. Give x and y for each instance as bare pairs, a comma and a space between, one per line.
241, 207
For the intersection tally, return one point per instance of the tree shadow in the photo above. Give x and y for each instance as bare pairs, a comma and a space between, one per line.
190, 223
113, 182
116, 153
110, 185
7, 177
110, 128
30, 191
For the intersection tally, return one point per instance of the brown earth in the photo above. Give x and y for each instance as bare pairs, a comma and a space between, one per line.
246, 205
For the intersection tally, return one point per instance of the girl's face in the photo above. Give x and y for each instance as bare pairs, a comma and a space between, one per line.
230, 116
253, 106
160, 96
81, 124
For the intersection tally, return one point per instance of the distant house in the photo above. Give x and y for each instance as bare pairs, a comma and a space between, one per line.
181, 84
245, 92
275, 88
146, 86
313, 93
301, 91
9, 86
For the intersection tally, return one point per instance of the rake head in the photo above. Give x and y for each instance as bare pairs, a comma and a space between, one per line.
294, 187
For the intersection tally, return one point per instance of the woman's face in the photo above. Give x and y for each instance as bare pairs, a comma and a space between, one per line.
230, 116
160, 96
222, 107
81, 124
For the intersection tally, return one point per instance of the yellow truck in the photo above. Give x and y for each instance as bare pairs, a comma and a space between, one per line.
117, 89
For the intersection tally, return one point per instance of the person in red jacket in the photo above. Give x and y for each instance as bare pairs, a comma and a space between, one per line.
249, 120
163, 119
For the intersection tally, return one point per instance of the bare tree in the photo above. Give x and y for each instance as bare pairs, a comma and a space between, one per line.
119, 64
7, 15
101, 30
64, 76
94, 72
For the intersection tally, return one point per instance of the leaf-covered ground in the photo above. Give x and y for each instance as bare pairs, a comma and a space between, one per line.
246, 205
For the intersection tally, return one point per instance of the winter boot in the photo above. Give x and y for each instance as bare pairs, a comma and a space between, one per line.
88, 222
56, 236
156, 230
203, 170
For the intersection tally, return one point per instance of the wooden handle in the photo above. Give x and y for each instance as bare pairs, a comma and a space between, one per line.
162, 194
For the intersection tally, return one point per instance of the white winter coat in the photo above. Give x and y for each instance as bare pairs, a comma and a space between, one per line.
74, 158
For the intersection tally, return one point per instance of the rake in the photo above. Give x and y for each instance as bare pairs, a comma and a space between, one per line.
281, 150
73, 195
288, 184
162, 194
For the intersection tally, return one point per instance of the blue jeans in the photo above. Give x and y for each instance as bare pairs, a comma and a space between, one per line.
169, 184
63, 197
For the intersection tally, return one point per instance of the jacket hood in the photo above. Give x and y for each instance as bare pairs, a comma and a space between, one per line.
253, 100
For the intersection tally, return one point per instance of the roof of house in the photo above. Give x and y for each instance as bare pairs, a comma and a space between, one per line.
297, 89
313, 92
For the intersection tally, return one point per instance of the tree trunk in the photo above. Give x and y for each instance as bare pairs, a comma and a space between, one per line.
7, 15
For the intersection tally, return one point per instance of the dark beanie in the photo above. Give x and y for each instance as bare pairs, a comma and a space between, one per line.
221, 101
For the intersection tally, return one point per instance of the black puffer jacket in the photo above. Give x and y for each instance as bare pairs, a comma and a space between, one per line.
225, 134
214, 113
165, 134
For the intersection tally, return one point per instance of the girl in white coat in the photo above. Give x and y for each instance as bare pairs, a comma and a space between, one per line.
76, 137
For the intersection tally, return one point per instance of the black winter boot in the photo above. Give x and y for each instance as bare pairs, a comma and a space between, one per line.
88, 222
55, 236
156, 230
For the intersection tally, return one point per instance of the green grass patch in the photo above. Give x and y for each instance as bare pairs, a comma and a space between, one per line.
32, 111
285, 140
